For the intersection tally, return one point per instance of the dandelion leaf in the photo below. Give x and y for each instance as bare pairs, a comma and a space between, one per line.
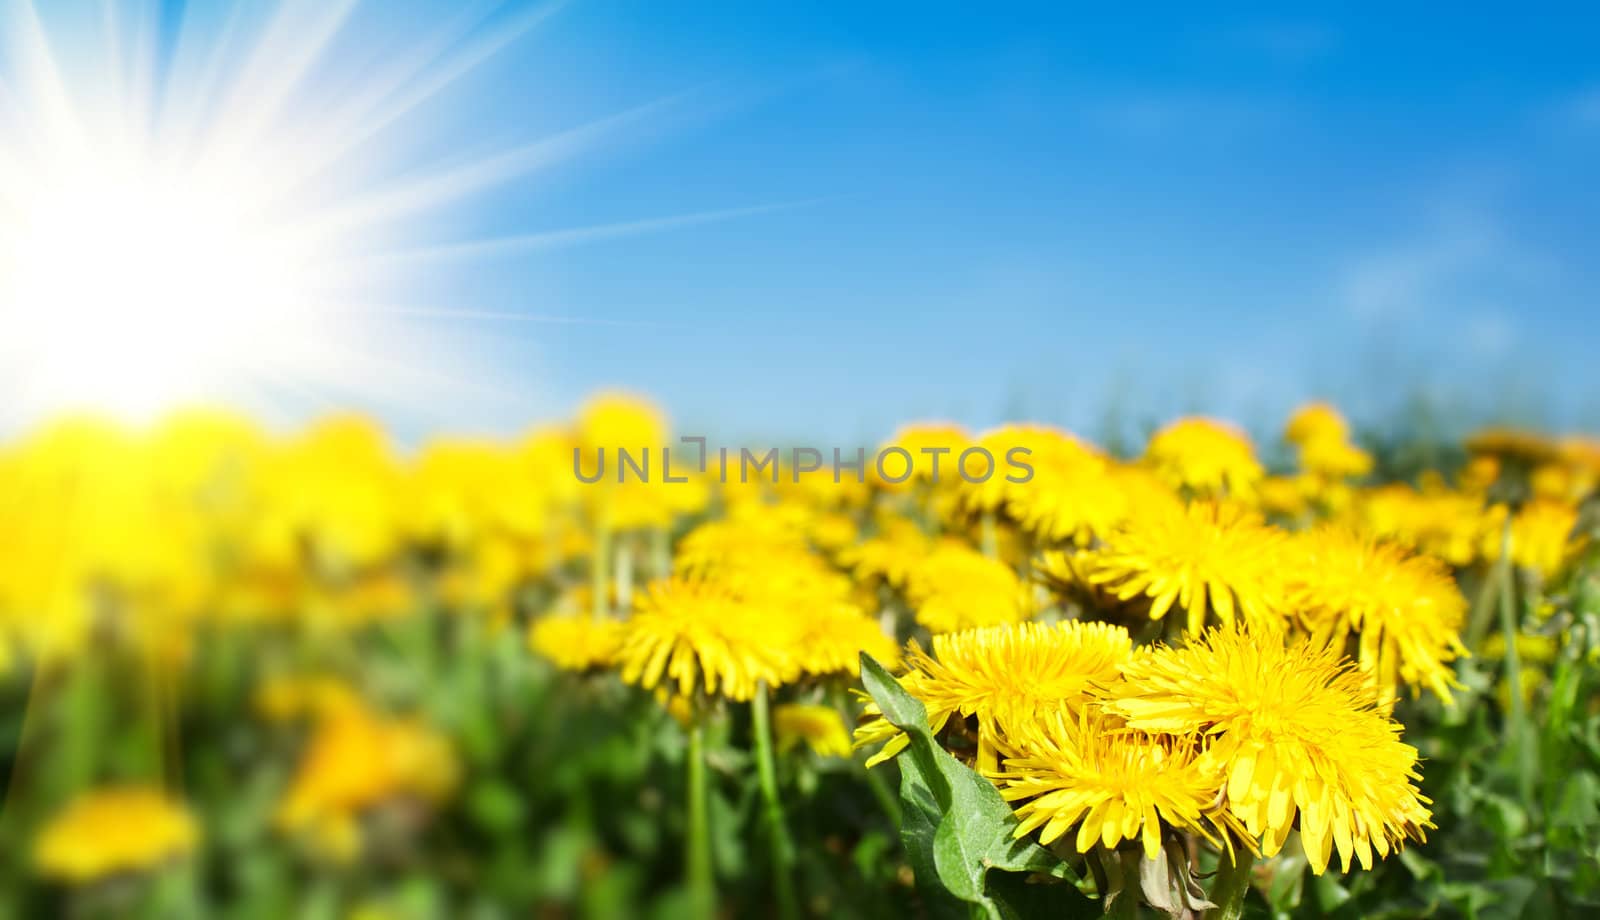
956, 827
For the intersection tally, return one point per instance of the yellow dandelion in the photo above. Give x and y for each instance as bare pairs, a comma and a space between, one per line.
817, 726
1477, 475
697, 634
807, 608
1206, 456
1514, 445
334, 491
1581, 454
1438, 521
1531, 647
717, 545
289, 697
832, 532
546, 486
1003, 677
357, 760
957, 587
617, 420
1076, 494
829, 637
1205, 556
1406, 610
1294, 731
1334, 459
613, 424
1316, 421
1289, 496
1542, 538
1560, 482
890, 555
1530, 679
452, 487
1031, 443
924, 444
1111, 784
114, 830
576, 642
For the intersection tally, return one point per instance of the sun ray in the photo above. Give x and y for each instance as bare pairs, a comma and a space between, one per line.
189, 208
409, 83
435, 188
549, 239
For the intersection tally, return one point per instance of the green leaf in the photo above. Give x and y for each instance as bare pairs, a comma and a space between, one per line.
955, 826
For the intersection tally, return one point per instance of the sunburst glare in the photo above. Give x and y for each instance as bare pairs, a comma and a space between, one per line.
198, 209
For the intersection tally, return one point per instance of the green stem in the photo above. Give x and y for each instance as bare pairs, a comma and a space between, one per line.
991, 538
624, 575
599, 583
1483, 604
1517, 735
880, 791
1231, 885
660, 552
702, 885
777, 829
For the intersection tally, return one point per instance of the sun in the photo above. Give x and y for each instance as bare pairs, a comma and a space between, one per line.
131, 279
259, 205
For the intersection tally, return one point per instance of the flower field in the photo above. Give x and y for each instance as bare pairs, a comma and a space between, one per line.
248, 673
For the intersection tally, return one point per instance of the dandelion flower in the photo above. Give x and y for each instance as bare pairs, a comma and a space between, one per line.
290, 697
1563, 481
1530, 679
1112, 784
719, 545
1477, 475
1206, 456
1316, 421
1531, 647
1321, 437
1004, 677
1514, 445
991, 494
1295, 732
1286, 495
356, 761
1075, 495
576, 642
1439, 521
1542, 536
1204, 556
1334, 460
617, 420
1406, 609
927, 444
817, 726
890, 555
335, 491
110, 831
830, 637
957, 587
697, 634
806, 608
832, 532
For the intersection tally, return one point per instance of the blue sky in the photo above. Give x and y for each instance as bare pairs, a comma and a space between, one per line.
861, 213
